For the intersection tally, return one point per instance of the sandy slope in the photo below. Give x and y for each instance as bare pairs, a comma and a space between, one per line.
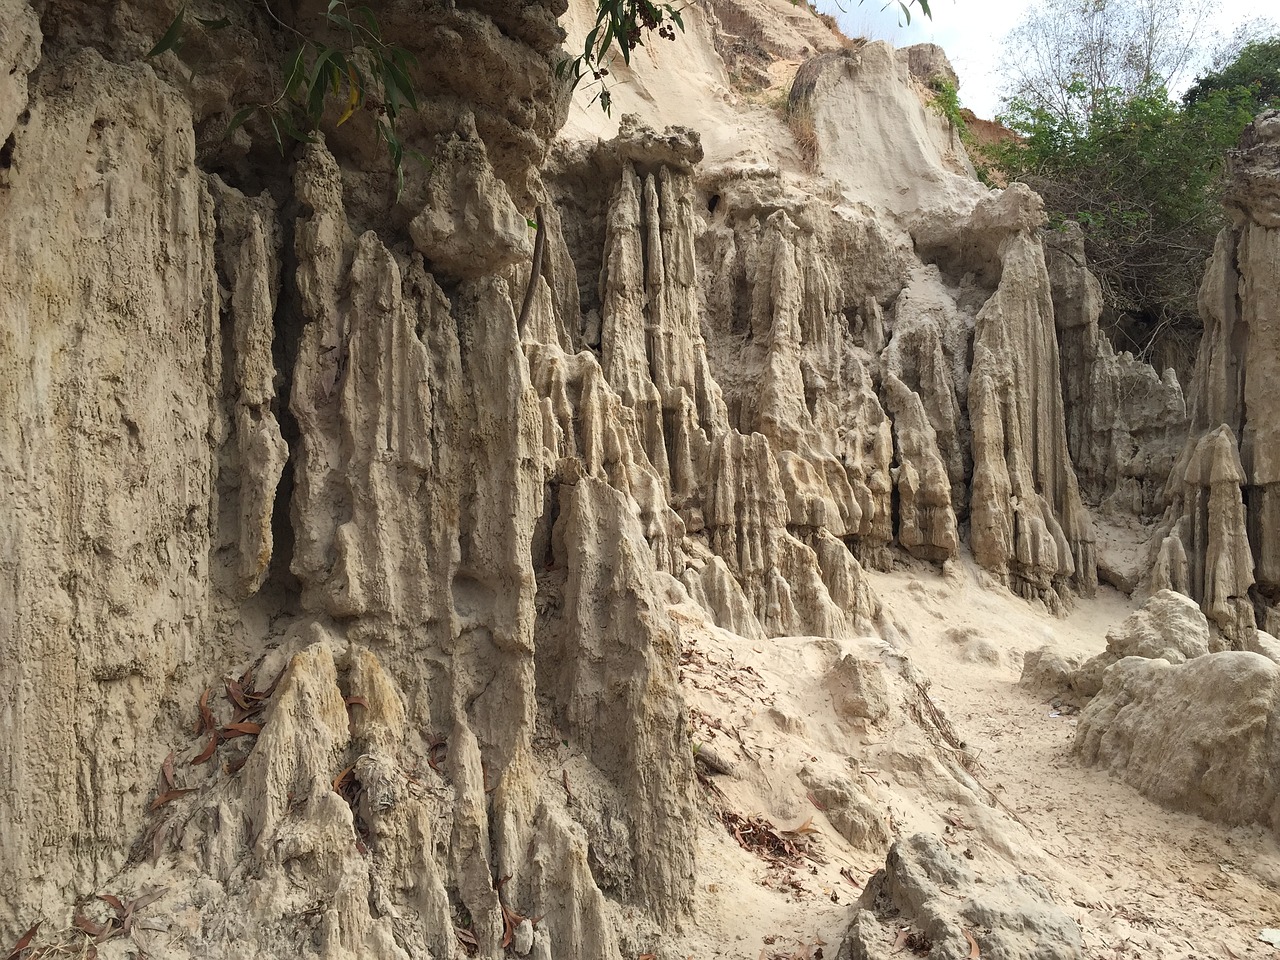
1140, 880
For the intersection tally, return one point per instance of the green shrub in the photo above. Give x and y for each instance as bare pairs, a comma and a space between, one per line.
1143, 176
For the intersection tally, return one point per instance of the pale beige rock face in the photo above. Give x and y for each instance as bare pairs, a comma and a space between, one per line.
296, 434
1221, 534
877, 141
1169, 626
1125, 422
19, 53
1149, 726
1028, 523
109, 349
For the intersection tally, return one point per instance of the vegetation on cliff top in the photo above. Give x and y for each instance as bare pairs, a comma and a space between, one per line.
1102, 140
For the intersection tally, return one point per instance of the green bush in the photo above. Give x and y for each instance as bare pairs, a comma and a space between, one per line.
1143, 176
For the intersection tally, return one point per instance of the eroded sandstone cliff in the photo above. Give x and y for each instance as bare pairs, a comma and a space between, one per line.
262, 419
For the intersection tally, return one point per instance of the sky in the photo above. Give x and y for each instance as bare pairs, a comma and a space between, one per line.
971, 31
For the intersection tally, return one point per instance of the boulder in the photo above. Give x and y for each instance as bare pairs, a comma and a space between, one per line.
1169, 626
923, 886
1199, 737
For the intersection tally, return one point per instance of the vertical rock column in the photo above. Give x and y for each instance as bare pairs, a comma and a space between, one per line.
108, 305
1027, 520
1224, 495
1125, 422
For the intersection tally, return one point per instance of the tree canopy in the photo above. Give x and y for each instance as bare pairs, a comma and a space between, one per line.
1064, 57
1142, 173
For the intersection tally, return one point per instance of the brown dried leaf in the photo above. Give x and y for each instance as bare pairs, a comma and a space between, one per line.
146, 899
207, 752
24, 941
81, 922
167, 796
158, 841
900, 943
468, 940
206, 721
974, 951
437, 751
245, 729
362, 701
510, 920
115, 902
166, 769
341, 779
235, 693
266, 694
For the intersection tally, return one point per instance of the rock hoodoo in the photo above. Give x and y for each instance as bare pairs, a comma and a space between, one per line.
344, 616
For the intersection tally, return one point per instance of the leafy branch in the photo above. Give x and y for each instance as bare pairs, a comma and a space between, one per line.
625, 22
362, 72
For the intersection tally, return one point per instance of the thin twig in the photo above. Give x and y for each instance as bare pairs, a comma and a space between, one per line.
539, 244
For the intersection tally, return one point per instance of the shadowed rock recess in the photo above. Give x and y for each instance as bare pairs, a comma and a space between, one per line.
346, 619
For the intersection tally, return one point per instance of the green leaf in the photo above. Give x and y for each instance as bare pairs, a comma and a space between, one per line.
403, 58
340, 70
319, 83
395, 78
243, 114
171, 36
370, 22
275, 129
294, 73
220, 24
291, 129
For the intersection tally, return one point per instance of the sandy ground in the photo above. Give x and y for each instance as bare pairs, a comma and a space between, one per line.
1140, 880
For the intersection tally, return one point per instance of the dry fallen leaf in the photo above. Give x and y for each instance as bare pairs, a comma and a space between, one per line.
236, 694
245, 729
166, 769
468, 940
207, 752
97, 931
266, 694
24, 941
168, 795
437, 751
974, 952
206, 721
340, 780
